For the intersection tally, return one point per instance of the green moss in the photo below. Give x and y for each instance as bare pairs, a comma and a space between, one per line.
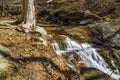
71, 60
60, 40
94, 74
106, 56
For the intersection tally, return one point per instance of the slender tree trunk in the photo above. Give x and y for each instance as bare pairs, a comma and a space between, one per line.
28, 15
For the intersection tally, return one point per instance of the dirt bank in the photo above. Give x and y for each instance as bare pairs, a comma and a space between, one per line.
33, 62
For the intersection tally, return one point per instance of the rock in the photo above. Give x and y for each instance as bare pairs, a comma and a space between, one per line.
43, 34
39, 40
85, 22
109, 31
80, 33
60, 40
80, 64
106, 35
6, 65
39, 30
49, 37
5, 51
22, 29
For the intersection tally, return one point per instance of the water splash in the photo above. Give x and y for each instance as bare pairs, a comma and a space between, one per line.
87, 54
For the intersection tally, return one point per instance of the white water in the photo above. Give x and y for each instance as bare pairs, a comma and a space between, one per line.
87, 54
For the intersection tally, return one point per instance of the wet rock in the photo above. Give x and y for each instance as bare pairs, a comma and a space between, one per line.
107, 32
106, 35
80, 33
115, 57
94, 74
80, 64
60, 40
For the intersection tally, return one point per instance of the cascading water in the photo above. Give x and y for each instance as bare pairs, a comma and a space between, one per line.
87, 54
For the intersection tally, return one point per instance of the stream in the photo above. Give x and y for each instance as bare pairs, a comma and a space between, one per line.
86, 54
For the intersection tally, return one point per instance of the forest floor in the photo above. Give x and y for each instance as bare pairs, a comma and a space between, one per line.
33, 62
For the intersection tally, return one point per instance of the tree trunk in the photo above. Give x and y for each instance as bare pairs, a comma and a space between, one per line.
28, 15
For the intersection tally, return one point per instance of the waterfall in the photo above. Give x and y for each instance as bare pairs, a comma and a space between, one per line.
87, 54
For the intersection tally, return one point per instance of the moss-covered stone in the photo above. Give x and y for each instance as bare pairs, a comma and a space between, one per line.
6, 65
94, 74
60, 40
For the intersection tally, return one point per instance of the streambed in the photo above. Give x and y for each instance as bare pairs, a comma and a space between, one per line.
86, 54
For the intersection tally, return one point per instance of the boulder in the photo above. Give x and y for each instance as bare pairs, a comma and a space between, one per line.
41, 36
107, 35
107, 32
6, 65
39, 30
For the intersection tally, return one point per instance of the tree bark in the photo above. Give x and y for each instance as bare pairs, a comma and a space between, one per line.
28, 15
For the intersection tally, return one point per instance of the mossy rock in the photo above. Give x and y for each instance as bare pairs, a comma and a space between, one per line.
6, 65
94, 74
39, 30
60, 40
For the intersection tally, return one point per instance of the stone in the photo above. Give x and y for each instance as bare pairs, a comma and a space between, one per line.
107, 30
85, 22
107, 36
5, 51
49, 37
39, 30
49, 1
39, 40
6, 65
